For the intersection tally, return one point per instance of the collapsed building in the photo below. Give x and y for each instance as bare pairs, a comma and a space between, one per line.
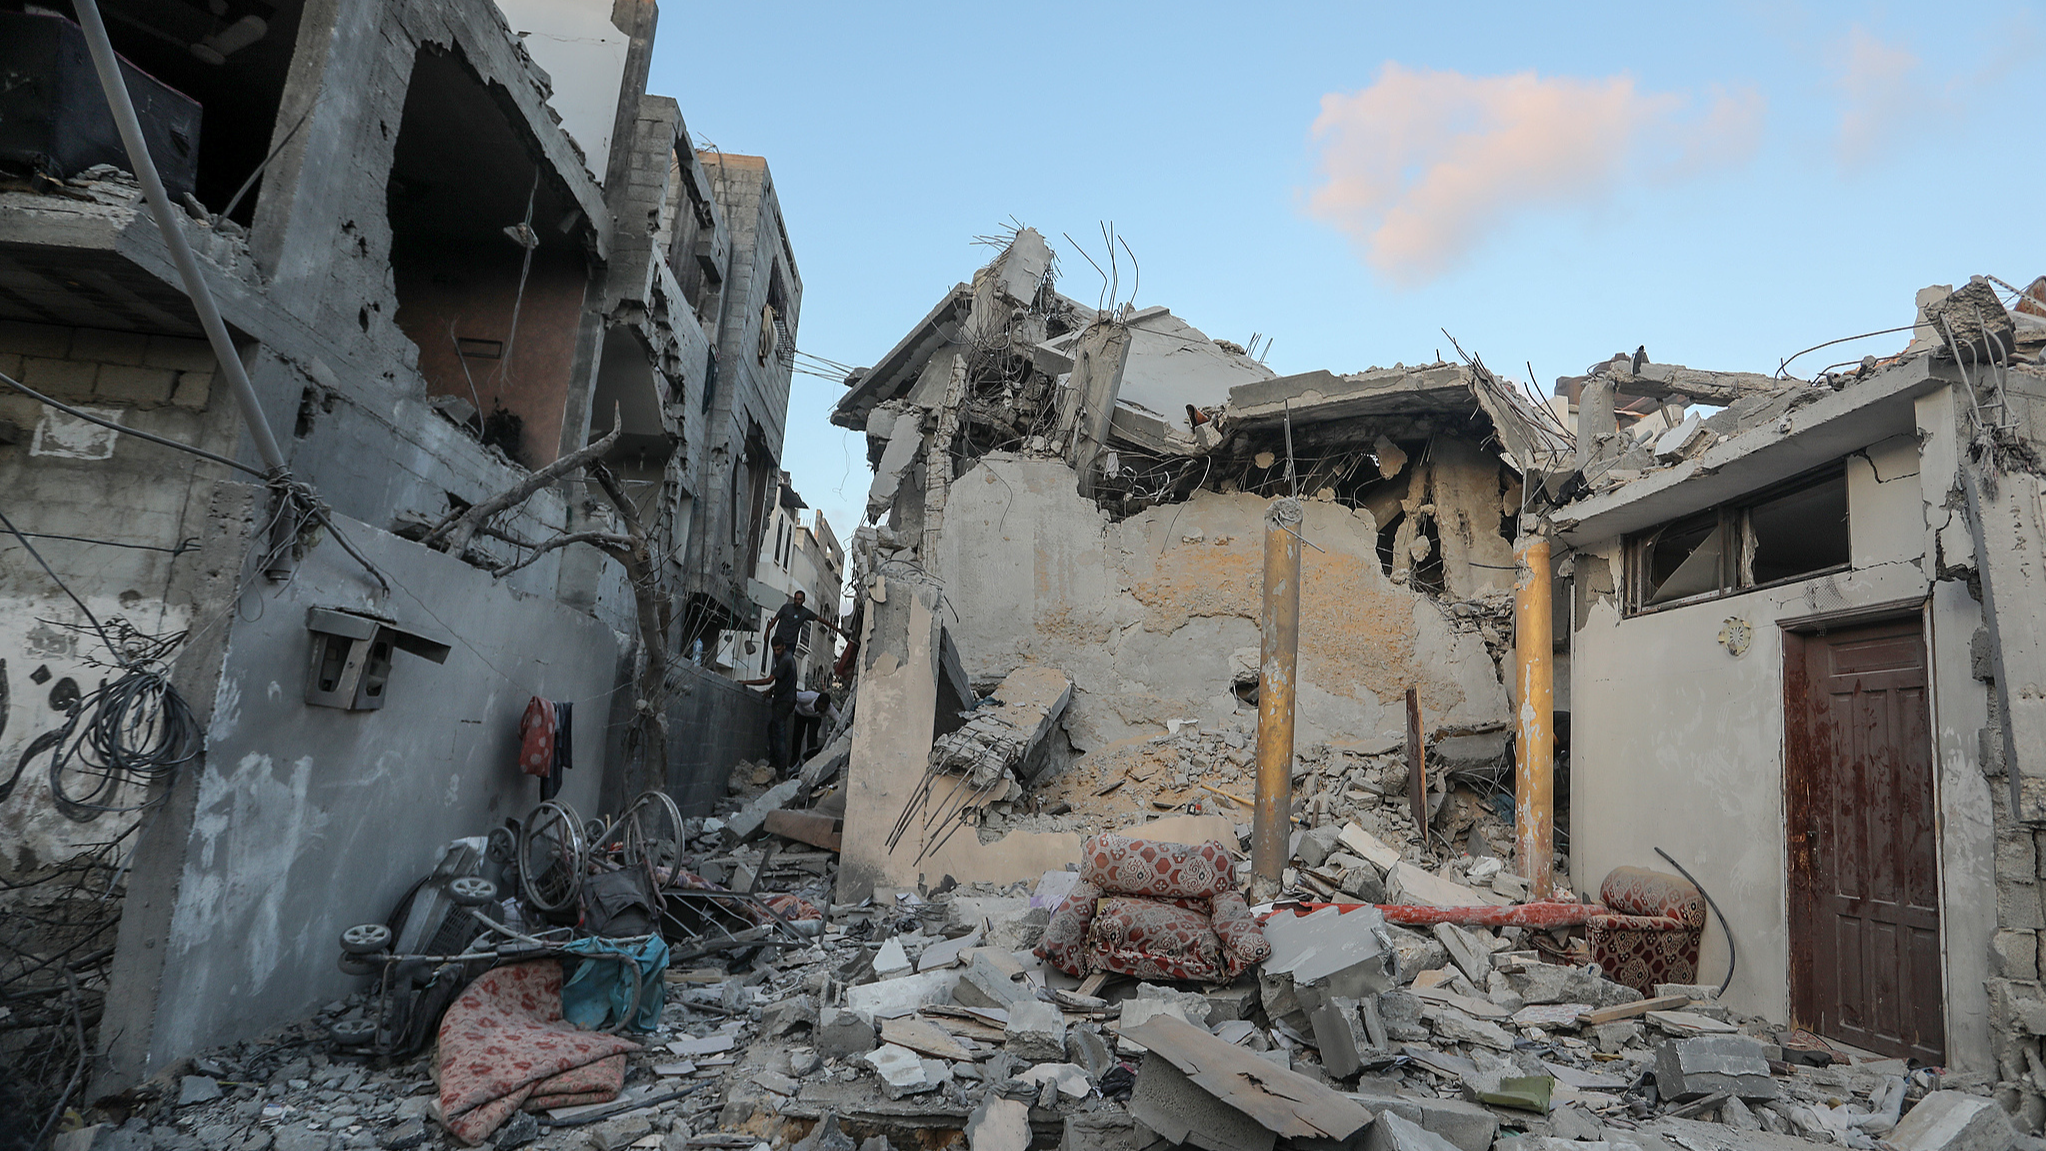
526, 351
1085, 490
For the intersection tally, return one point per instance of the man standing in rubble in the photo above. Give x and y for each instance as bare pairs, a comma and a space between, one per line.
788, 623
781, 701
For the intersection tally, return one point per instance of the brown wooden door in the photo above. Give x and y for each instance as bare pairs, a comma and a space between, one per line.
1864, 877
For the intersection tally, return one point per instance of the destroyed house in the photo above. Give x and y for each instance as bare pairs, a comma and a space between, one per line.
498, 314
1084, 491
1803, 648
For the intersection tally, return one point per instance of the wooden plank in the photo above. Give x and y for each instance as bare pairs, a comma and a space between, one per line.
806, 827
1630, 1010
1284, 1102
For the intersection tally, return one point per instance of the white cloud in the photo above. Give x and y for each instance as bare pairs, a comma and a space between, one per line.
1420, 167
1881, 95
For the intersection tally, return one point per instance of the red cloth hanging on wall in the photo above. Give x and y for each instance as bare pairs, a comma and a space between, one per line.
536, 737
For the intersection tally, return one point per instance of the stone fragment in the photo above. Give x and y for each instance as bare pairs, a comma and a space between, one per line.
301, 1137
408, 1134
1086, 1048
987, 982
1135, 1011
1687, 1069
1316, 844
891, 960
1469, 954
1613, 1038
901, 1071
1192, 1004
1695, 991
1735, 1114
1456, 1027
841, 1033
1552, 1016
826, 1136
782, 1017
1340, 1034
998, 1125
1401, 1013
1036, 1031
619, 1132
1394, 1132
1954, 1121
892, 997
751, 820
1469, 1126
1070, 1079
197, 1089
1239, 1000
1099, 1131
1172, 1105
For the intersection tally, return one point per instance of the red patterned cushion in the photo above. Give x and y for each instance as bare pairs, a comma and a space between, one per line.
1653, 937
1639, 891
1122, 866
1154, 938
1064, 945
1243, 939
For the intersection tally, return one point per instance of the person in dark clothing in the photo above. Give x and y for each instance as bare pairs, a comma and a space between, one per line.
813, 711
781, 702
787, 624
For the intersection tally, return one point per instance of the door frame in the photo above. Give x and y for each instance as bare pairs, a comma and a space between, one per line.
1798, 632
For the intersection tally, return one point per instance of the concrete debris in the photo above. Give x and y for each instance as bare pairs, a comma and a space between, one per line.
1953, 1121
1687, 1069
1009, 726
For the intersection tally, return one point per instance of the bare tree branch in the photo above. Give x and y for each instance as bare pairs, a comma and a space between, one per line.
647, 735
453, 534
610, 543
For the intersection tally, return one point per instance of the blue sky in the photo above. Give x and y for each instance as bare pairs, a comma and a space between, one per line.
1724, 185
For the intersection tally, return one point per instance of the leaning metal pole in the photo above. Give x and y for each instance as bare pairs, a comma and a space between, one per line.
123, 108
1271, 826
1534, 791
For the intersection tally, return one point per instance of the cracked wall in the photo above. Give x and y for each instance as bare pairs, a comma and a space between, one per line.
1153, 614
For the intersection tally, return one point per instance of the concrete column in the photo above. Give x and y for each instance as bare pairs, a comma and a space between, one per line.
1534, 815
1271, 825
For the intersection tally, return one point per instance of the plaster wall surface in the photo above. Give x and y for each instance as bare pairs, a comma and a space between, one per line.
1149, 615
1678, 744
309, 819
713, 723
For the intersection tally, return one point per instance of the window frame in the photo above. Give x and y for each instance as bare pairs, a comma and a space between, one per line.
1737, 561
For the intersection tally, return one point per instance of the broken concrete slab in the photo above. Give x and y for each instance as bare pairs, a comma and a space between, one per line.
1395, 1132
1346, 953
1283, 1102
1036, 1031
1167, 1101
1406, 883
891, 961
1687, 1069
1468, 1126
923, 1037
1099, 1131
840, 1033
1954, 1121
750, 822
1369, 847
1469, 954
1689, 1023
893, 997
988, 982
1339, 1033
999, 1125
1456, 1027
902, 1071
1071, 1078
1007, 729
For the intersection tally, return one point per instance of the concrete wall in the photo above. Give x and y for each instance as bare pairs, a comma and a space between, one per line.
1148, 614
306, 820
1678, 744
713, 723
584, 54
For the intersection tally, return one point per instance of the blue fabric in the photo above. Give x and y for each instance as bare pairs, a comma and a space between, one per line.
598, 992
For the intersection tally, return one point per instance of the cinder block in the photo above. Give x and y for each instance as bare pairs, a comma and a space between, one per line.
121, 384
59, 378
108, 347
2016, 858
2014, 955
1694, 1068
192, 389
1470, 1126
2017, 905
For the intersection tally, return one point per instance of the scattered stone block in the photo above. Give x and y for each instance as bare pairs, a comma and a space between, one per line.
786, 1015
1469, 954
1036, 1031
1193, 1005
197, 1089
999, 1125
841, 1033
1954, 1121
1087, 1049
1070, 1079
1467, 1126
1687, 1069
987, 982
750, 821
1169, 1103
1454, 1026
1395, 1132
892, 997
891, 961
902, 1071
1099, 1131
1694, 991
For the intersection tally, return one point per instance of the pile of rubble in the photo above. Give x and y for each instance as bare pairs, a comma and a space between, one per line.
924, 1019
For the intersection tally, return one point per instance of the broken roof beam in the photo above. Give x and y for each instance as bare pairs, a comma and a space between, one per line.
897, 371
1319, 396
1662, 381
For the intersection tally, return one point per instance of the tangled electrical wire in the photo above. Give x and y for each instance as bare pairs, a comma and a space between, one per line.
122, 743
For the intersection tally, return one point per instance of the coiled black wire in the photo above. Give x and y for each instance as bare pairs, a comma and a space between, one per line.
123, 738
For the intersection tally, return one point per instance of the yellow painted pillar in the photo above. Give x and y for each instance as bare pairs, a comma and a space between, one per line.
1272, 824
1534, 790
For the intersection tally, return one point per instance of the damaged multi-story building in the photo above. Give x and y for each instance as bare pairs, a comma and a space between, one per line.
458, 249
